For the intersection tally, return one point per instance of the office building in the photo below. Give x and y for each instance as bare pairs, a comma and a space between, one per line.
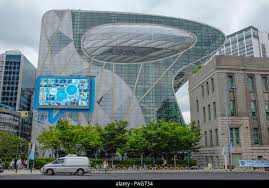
250, 42
229, 98
17, 82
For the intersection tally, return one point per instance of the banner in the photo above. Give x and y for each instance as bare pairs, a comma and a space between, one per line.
254, 163
32, 154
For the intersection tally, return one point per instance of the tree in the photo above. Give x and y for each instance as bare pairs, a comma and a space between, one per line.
114, 136
12, 146
171, 137
90, 138
137, 142
50, 139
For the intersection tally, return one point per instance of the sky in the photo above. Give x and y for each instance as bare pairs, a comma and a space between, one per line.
20, 20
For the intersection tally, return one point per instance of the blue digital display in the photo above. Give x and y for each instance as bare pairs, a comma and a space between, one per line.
57, 92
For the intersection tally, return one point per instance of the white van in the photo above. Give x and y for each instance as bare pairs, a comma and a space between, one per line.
69, 164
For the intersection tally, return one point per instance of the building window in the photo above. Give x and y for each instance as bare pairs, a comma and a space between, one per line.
207, 88
203, 92
256, 136
232, 107
205, 138
266, 108
234, 136
198, 124
264, 84
215, 110
217, 137
209, 113
263, 50
231, 81
251, 83
211, 138
197, 105
212, 85
253, 108
268, 134
204, 114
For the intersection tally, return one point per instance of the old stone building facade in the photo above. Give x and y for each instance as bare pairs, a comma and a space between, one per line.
229, 100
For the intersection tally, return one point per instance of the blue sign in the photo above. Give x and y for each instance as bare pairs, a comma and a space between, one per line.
64, 93
254, 163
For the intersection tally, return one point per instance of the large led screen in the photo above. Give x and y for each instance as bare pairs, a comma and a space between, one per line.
64, 92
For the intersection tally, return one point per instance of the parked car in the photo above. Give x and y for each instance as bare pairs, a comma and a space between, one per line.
1, 168
69, 164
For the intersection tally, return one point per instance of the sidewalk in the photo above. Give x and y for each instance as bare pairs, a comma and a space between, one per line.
20, 171
37, 171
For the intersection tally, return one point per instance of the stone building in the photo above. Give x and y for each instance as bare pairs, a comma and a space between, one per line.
229, 100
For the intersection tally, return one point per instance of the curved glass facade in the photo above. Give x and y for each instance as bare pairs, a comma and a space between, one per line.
139, 61
134, 43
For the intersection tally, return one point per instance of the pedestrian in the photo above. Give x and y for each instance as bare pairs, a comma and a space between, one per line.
105, 165
25, 163
11, 164
16, 165
154, 163
19, 163
164, 162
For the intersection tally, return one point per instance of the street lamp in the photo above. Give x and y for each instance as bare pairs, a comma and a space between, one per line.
226, 89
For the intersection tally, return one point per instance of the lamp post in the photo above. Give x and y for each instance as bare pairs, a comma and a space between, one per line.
226, 89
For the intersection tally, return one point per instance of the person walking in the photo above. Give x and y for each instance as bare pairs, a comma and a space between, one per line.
11, 164
19, 163
16, 165
164, 163
105, 165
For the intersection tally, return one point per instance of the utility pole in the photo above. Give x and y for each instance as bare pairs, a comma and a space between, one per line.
226, 89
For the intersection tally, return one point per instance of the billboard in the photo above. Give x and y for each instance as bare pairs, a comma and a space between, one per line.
64, 93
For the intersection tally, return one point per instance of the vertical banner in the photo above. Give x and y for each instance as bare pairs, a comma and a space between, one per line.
32, 154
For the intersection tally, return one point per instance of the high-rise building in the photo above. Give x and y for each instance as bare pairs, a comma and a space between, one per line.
139, 61
249, 42
17, 81
229, 99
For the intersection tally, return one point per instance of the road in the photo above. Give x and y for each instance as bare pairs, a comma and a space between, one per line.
147, 176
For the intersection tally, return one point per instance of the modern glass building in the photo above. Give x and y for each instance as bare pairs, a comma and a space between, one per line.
139, 61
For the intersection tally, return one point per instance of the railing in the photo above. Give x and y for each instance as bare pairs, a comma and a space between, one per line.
146, 169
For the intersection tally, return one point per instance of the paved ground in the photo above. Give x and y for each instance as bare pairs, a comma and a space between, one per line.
142, 176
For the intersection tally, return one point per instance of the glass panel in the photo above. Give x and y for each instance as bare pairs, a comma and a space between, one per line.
264, 84
253, 108
251, 83
256, 138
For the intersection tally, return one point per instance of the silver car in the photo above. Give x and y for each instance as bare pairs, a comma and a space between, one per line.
74, 165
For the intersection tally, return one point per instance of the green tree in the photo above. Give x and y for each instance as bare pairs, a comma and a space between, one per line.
171, 137
90, 138
114, 136
12, 146
137, 142
50, 139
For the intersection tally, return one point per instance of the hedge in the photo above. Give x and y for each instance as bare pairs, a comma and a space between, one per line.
40, 162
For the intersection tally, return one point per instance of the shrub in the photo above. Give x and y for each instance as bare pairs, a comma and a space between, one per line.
40, 162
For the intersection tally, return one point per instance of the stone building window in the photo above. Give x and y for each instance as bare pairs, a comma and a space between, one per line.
256, 136
266, 108
234, 136
217, 137
253, 108
212, 85
264, 84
